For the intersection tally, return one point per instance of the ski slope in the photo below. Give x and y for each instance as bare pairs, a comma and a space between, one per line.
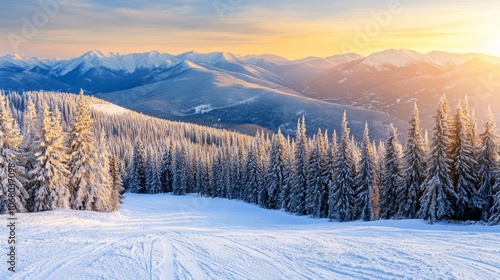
187, 237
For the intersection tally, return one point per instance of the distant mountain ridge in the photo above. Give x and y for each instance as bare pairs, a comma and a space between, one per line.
269, 91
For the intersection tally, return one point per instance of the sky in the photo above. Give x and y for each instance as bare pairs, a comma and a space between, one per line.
293, 29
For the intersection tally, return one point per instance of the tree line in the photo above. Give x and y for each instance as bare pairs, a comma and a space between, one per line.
453, 176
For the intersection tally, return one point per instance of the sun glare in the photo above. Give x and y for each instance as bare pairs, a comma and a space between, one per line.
494, 46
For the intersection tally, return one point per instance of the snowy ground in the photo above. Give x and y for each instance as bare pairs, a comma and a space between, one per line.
109, 109
167, 237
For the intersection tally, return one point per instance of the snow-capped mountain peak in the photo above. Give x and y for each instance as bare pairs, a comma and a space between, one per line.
115, 62
20, 61
393, 57
99, 54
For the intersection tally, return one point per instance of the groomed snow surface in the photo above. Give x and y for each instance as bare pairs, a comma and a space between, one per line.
188, 237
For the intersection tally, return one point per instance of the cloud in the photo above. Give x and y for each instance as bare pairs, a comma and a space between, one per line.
287, 27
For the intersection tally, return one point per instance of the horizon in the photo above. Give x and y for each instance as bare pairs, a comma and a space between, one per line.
108, 54
67, 28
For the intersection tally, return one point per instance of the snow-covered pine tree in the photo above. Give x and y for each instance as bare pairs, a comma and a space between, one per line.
262, 165
378, 164
10, 143
285, 190
83, 178
236, 170
60, 148
464, 172
252, 176
299, 180
328, 173
166, 176
104, 193
314, 191
218, 175
153, 185
414, 166
277, 175
367, 189
30, 146
488, 164
438, 198
207, 190
117, 185
392, 176
50, 171
200, 184
471, 125
191, 155
494, 218
342, 195
231, 172
325, 165
179, 171
138, 171
264, 148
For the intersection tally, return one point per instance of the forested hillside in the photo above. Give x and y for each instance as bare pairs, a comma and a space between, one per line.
452, 175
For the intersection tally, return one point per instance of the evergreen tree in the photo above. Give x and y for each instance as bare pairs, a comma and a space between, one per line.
50, 170
117, 185
252, 176
10, 142
30, 146
137, 180
329, 174
367, 189
342, 191
83, 159
414, 167
153, 184
488, 164
464, 166
494, 218
438, 197
326, 174
180, 180
166, 176
277, 170
262, 165
207, 177
218, 175
299, 181
392, 176
104, 193
316, 195
285, 189
200, 184
314, 191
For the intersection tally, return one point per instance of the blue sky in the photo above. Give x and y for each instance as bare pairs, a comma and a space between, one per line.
294, 29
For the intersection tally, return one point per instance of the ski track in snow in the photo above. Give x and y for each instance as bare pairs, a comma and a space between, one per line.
168, 237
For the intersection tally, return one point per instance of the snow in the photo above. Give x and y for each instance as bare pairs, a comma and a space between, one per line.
393, 57
129, 63
109, 109
21, 61
188, 237
115, 61
203, 108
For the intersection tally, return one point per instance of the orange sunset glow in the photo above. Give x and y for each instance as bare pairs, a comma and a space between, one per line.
293, 29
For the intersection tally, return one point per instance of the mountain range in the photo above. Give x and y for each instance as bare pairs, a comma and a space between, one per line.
253, 92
